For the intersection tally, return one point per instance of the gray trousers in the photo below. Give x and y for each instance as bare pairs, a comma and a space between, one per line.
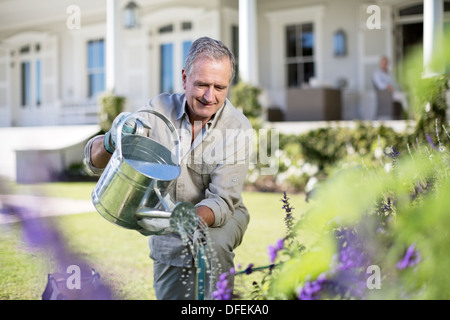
178, 283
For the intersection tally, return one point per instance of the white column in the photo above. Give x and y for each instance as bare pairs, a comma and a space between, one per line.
433, 26
112, 22
248, 44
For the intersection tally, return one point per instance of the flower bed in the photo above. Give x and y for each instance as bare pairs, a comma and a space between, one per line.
368, 233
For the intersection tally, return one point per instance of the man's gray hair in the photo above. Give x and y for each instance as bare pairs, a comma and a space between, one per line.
213, 49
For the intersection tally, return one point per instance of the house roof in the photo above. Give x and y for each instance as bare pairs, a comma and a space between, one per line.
14, 15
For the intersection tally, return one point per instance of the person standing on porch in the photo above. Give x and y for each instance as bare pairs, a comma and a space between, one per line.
382, 79
213, 187
388, 104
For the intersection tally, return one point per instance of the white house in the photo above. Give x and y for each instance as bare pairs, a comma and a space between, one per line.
313, 59
54, 61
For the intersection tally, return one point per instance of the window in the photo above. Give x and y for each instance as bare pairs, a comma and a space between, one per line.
186, 47
25, 49
25, 79
167, 64
166, 79
30, 76
38, 82
96, 67
185, 26
300, 47
166, 29
173, 42
340, 43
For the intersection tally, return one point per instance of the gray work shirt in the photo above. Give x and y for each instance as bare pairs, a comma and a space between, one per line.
213, 167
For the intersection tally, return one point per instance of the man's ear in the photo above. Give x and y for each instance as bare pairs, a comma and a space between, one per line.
184, 78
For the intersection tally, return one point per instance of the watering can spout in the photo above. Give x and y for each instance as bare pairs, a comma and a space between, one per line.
181, 219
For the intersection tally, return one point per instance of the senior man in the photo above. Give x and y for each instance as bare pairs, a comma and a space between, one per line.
216, 139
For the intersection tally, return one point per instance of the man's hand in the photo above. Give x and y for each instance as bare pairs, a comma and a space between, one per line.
133, 125
99, 156
111, 135
154, 226
206, 215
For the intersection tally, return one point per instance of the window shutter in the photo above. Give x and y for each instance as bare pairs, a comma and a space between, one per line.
49, 71
5, 79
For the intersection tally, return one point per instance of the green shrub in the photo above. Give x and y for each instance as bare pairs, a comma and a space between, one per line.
427, 92
111, 105
317, 153
327, 146
432, 105
245, 97
367, 233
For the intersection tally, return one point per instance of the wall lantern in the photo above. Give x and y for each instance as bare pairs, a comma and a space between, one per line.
131, 15
340, 43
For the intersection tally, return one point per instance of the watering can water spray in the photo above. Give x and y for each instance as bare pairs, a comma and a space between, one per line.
137, 180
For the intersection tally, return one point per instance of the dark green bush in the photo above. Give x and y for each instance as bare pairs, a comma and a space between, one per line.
326, 146
111, 106
245, 97
431, 111
427, 91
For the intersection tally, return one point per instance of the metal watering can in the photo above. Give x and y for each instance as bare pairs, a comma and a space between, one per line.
140, 173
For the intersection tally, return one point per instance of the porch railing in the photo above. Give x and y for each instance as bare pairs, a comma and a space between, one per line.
79, 113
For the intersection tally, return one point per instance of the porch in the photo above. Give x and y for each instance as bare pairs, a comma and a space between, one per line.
81, 113
38, 154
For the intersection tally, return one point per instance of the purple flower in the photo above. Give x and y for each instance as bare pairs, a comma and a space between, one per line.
311, 289
272, 253
411, 258
348, 277
430, 141
394, 153
351, 252
249, 269
273, 250
39, 234
279, 244
224, 291
348, 283
288, 219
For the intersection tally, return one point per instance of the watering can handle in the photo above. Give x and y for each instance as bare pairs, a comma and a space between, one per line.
172, 128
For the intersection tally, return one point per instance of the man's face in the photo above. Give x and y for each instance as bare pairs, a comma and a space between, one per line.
384, 64
206, 88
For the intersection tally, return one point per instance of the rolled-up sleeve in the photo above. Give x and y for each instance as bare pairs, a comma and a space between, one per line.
88, 161
224, 192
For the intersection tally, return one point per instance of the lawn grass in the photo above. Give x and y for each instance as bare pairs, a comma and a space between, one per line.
121, 255
72, 190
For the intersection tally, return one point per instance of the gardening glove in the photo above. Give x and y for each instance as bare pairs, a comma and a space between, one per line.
133, 125
158, 226
154, 226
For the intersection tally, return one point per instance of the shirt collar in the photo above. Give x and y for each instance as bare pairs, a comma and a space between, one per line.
182, 110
